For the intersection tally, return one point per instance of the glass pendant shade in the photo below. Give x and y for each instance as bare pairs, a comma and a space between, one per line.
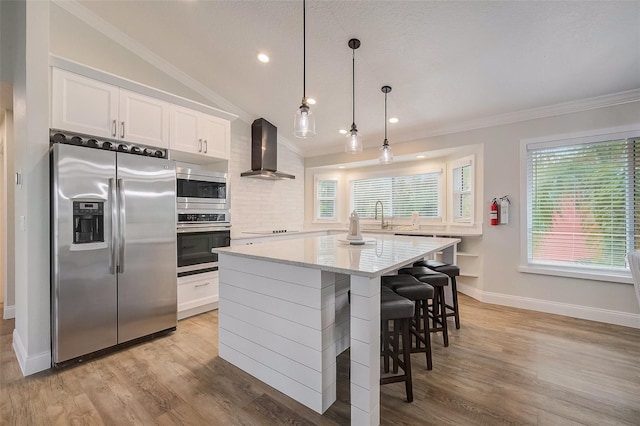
386, 155
304, 123
354, 143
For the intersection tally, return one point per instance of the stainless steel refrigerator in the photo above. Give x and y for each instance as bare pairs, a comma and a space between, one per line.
113, 249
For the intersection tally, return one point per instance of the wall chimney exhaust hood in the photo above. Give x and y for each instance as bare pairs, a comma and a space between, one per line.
264, 152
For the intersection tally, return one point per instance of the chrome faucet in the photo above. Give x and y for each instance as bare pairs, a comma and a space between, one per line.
383, 225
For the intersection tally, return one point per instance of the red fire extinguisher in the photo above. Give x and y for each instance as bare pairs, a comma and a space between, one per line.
493, 212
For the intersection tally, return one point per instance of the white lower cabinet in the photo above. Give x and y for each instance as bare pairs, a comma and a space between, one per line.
197, 294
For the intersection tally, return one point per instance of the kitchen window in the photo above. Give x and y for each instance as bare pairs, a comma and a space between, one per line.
326, 199
400, 195
462, 190
583, 203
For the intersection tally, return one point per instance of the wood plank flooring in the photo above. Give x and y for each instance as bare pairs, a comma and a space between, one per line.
504, 366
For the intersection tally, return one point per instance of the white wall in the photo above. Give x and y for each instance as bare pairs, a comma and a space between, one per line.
6, 127
499, 246
31, 337
258, 204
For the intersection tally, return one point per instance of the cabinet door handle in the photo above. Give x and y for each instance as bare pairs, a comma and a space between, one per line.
122, 129
113, 128
203, 284
199, 145
205, 146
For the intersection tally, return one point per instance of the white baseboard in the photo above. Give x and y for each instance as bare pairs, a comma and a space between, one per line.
576, 311
9, 312
30, 364
185, 312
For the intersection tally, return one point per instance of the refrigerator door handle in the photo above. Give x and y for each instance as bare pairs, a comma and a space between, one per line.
121, 219
113, 261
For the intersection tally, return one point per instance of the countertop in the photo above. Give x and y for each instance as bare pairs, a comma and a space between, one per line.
383, 254
395, 230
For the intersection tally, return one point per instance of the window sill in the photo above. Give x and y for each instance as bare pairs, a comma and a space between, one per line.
616, 277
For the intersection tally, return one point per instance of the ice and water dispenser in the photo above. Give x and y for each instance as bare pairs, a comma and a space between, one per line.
88, 222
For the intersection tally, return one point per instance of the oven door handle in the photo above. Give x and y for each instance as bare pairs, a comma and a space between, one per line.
188, 229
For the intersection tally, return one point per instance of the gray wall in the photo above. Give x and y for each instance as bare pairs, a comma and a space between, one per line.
499, 246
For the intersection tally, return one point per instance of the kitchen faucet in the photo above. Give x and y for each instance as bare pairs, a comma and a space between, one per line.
383, 225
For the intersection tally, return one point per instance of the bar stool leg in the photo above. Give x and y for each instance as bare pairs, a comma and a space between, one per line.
426, 333
384, 326
406, 352
443, 317
456, 311
396, 339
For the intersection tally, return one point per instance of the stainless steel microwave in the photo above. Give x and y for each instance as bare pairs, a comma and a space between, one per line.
201, 189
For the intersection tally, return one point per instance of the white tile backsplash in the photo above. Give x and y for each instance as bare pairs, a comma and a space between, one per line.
258, 204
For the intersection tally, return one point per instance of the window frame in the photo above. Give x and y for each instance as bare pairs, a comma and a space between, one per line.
453, 165
404, 220
317, 178
600, 135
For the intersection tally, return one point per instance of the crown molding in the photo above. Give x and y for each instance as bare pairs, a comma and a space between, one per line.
597, 102
603, 101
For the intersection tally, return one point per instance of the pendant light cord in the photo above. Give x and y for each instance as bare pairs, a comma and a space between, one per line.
304, 49
353, 86
385, 117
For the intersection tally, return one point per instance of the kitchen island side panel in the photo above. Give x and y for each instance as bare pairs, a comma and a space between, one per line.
276, 322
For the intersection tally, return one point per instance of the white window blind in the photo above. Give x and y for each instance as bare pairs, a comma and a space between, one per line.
584, 204
462, 196
326, 192
400, 195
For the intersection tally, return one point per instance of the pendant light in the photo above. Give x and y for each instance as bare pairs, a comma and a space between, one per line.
354, 143
386, 156
304, 123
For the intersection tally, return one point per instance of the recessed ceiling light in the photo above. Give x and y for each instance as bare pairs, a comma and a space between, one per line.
311, 101
263, 58
342, 131
341, 167
420, 156
393, 120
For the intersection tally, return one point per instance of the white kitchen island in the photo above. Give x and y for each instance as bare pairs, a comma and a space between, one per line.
284, 315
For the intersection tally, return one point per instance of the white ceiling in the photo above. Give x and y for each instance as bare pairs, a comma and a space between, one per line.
448, 62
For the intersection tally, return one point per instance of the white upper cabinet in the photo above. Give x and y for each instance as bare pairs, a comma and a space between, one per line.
143, 119
84, 105
217, 136
198, 133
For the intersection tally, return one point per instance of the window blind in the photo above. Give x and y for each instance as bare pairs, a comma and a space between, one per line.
326, 192
400, 195
584, 204
462, 195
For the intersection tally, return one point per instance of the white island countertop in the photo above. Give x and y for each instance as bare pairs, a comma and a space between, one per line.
380, 255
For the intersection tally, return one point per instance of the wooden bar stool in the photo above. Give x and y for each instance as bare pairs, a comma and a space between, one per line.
452, 271
421, 293
399, 310
438, 308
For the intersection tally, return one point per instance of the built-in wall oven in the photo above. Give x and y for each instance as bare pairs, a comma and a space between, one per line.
204, 221
195, 245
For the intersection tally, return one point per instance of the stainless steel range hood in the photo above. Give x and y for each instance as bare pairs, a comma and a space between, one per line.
264, 152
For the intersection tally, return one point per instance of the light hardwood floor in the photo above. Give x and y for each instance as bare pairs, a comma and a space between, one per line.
504, 366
